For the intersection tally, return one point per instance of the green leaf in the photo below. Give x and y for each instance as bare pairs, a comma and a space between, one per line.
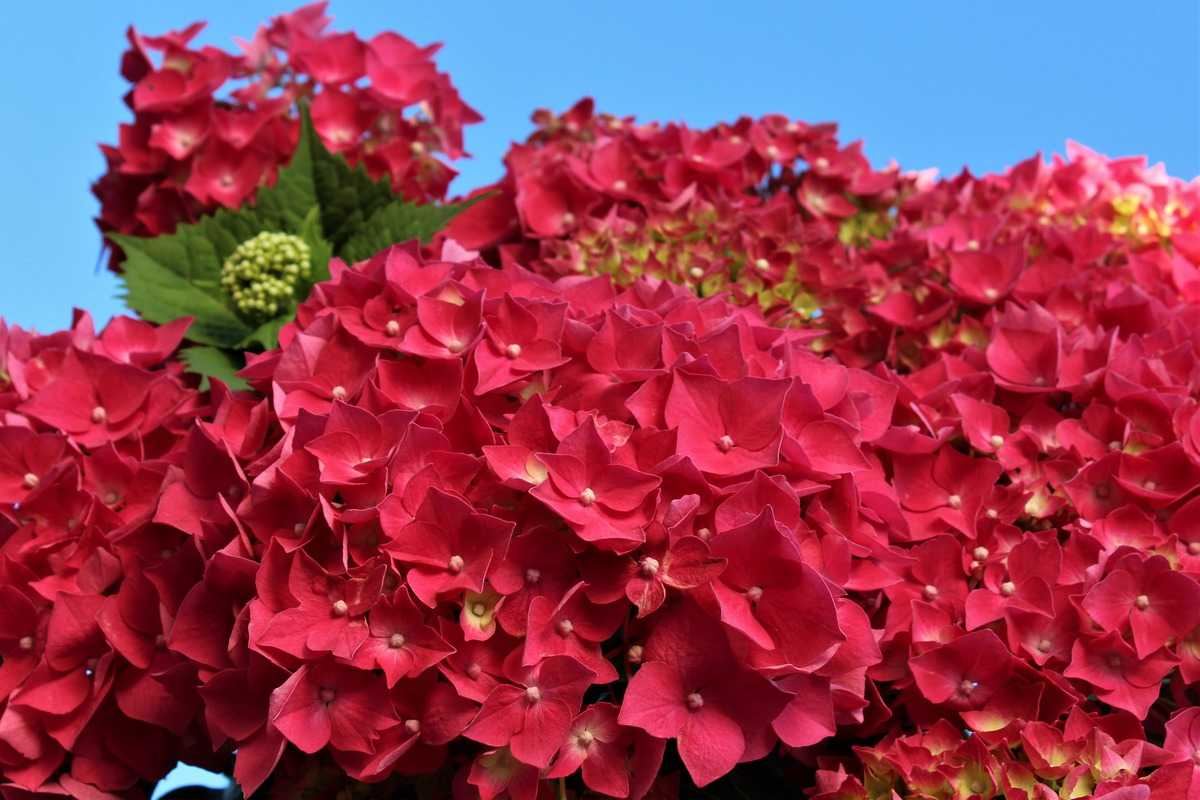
347, 195
211, 362
399, 222
161, 295
320, 250
285, 205
267, 334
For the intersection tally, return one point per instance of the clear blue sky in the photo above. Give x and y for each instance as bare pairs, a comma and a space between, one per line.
942, 84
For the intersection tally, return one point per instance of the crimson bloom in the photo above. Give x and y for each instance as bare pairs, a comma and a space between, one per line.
699, 697
965, 673
448, 545
532, 719
727, 428
1153, 600
1121, 678
328, 704
400, 641
782, 606
603, 500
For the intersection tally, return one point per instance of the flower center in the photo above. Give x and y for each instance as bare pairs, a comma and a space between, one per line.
30, 481
327, 695
478, 609
725, 443
1008, 588
996, 440
455, 564
929, 591
565, 627
1113, 661
568, 219
1149, 486
980, 553
754, 594
533, 575
761, 264
340, 608
412, 725
619, 185
992, 513
1194, 548
584, 738
396, 641
990, 293
650, 566
99, 415
696, 272
474, 671
533, 694
26, 643
694, 701
967, 686
1142, 602
1114, 445
634, 654
704, 534
1044, 645
392, 328
513, 351
954, 501
587, 496
339, 393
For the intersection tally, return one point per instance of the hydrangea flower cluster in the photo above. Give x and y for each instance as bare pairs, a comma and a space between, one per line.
262, 273
755, 207
211, 126
500, 529
687, 464
779, 212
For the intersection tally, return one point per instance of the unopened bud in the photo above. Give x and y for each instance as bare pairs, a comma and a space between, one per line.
262, 274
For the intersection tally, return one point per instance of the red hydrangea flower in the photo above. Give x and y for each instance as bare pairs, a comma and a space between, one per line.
225, 122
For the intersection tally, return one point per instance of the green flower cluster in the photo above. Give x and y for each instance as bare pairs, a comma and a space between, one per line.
262, 273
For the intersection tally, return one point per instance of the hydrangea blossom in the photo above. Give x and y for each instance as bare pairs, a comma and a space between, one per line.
211, 126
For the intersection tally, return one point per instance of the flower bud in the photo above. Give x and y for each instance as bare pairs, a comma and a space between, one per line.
262, 274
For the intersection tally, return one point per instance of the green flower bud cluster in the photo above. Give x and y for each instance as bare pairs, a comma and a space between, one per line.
262, 274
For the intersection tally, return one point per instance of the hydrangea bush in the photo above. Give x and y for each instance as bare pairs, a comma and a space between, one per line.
683, 464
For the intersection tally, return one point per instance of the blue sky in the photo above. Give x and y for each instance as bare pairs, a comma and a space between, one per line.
941, 83
935, 83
